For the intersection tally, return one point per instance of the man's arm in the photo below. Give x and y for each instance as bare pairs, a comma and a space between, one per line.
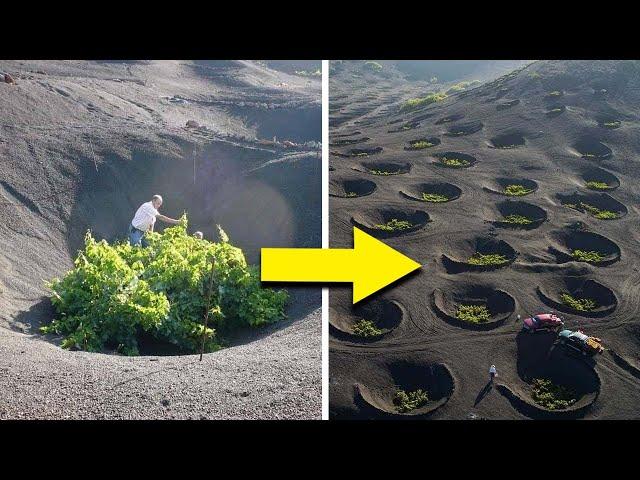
167, 219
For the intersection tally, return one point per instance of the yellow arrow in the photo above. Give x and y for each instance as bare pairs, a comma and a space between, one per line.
370, 265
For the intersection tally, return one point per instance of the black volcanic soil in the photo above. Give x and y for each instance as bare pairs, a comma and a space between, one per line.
82, 145
560, 153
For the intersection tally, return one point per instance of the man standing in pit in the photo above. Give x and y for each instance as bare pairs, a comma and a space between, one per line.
144, 220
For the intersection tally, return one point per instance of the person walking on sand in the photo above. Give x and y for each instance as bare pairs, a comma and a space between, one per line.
492, 373
144, 220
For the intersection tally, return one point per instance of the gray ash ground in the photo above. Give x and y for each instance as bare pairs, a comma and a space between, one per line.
82, 144
553, 150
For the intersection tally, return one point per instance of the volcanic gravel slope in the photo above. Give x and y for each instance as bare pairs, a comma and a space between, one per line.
553, 135
82, 145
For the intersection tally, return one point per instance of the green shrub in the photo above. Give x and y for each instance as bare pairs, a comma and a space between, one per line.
434, 197
551, 396
384, 172
594, 185
516, 190
408, 401
394, 225
351, 194
606, 215
473, 313
373, 66
458, 87
590, 256
366, 328
116, 291
420, 144
595, 211
490, 259
454, 162
517, 219
415, 103
305, 73
579, 304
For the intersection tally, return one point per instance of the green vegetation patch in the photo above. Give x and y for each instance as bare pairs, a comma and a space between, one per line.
579, 304
351, 194
489, 259
590, 256
305, 73
420, 144
395, 225
116, 291
551, 396
517, 219
373, 66
517, 190
384, 172
453, 162
595, 211
594, 185
614, 124
408, 401
473, 313
434, 197
366, 328
415, 103
459, 87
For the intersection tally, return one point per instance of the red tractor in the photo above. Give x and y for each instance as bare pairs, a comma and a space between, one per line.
549, 322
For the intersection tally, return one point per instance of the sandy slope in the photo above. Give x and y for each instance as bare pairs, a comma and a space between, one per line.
82, 144
273, 377
425, 347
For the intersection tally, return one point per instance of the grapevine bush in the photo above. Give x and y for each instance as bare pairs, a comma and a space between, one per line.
116, 292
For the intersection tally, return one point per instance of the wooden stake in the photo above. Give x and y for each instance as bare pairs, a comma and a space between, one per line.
206, 315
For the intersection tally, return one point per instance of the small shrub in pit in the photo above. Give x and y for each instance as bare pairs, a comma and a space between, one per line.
420, 145
434, 197
366, 328
490, 259
473, 313
593, 185
595, 211
590, 256
579, 304
394, 225
408, 401
384, 172
517, 219
454, 162
551, 396
516, 190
